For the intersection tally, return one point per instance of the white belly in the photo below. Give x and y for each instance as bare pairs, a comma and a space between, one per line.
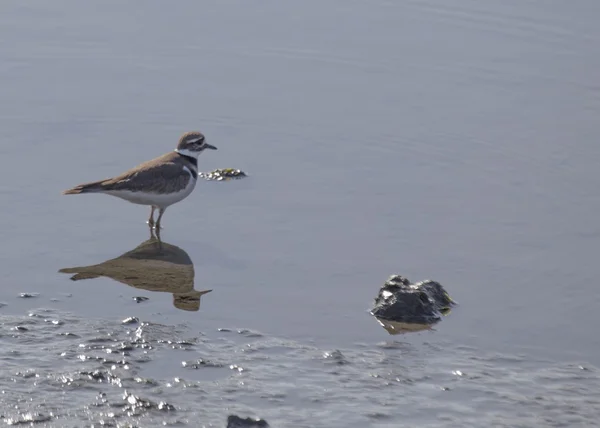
156, 199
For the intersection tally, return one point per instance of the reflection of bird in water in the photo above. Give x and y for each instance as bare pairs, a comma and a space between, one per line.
153, 265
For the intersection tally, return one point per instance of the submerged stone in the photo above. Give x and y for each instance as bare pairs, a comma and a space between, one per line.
28, 295
131, 320
401, 306
234, 421
27, 419
223, 174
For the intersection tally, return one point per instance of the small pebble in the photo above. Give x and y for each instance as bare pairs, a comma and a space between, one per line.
165, 406
28, 295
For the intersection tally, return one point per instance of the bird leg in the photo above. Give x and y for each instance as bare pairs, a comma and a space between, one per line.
161, 211
151, 219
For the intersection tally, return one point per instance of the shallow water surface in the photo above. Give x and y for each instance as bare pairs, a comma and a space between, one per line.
145, 374
450, 140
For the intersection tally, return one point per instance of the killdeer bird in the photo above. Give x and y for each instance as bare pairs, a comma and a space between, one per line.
159, 182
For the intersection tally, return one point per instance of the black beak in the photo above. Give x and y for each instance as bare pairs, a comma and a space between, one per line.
208, 146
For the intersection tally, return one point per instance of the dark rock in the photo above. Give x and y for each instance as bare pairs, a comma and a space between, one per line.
140, 299
401, 306
234, 421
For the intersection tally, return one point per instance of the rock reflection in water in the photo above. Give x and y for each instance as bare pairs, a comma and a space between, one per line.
153, 265
394, 327
398, 327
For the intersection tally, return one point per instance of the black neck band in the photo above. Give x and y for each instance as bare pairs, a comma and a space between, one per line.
191, 159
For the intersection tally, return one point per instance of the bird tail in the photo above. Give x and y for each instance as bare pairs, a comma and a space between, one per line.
93, 187
79, 275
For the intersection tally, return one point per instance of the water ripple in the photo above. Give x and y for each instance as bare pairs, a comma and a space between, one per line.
113, 374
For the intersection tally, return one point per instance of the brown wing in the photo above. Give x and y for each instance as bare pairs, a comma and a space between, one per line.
160, 175
155, 177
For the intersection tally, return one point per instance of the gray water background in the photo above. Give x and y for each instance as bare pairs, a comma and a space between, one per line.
452, 140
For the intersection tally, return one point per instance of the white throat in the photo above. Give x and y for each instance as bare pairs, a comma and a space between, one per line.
186, 152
